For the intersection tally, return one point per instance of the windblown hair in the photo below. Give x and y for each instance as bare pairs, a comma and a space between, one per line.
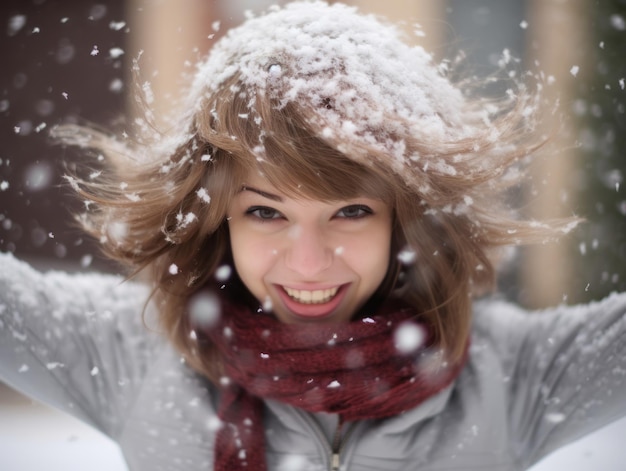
343, 110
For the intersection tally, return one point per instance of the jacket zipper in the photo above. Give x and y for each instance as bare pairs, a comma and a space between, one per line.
337, 446
336, 449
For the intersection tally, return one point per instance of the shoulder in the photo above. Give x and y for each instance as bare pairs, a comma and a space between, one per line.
513, 336
494, 316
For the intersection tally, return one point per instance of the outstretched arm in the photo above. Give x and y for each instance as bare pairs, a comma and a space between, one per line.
567, 371
76, 342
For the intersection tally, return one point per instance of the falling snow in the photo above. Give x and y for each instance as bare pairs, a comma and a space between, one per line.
204, 309
555, 417
16, 23
223, 273
618, 22
116, 52
117, 25
408, 337
407, 256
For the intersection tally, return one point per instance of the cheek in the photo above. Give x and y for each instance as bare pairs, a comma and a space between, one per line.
252, 258
368, 256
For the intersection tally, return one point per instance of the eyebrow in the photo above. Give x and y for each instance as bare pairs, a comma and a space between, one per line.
264, 194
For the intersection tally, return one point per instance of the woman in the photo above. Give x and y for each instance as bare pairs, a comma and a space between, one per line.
314, 231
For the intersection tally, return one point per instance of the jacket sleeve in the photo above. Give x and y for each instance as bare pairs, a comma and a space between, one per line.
565, 370
76, 342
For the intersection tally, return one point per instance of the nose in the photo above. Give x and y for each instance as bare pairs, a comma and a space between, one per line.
308, 252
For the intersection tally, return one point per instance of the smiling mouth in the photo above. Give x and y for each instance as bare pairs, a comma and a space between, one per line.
318, 296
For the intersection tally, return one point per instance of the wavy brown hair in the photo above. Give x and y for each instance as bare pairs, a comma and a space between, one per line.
448, 199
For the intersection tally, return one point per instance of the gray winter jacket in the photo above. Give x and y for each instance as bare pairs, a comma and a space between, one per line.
534, 382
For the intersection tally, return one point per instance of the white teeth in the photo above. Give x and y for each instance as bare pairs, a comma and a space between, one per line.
318, 296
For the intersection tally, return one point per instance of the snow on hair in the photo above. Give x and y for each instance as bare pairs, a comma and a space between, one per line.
368, 90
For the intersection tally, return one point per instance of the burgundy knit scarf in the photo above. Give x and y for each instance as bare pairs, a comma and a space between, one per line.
354, 369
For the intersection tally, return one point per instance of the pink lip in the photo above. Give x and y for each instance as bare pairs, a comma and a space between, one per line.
312, 311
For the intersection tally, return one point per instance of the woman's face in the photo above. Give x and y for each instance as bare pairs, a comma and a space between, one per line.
306, 260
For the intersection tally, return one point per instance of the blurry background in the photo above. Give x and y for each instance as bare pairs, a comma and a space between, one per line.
69, 60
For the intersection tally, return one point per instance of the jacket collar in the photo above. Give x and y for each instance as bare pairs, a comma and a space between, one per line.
291, 419
426, 410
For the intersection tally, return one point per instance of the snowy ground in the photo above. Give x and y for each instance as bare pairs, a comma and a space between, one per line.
34, 438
